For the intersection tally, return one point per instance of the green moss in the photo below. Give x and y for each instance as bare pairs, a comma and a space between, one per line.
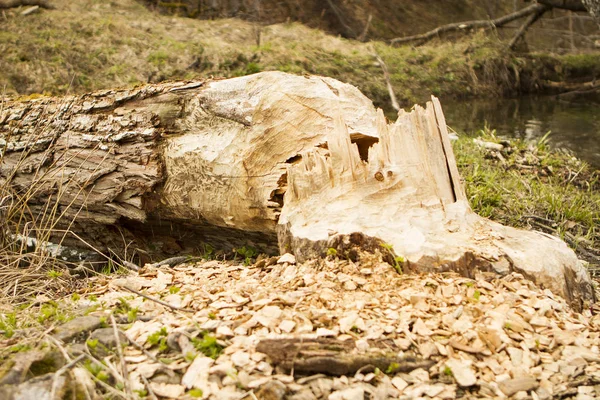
581, 64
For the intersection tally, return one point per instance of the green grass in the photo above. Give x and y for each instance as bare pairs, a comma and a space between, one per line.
534, 187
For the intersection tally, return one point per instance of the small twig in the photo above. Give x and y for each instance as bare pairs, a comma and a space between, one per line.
163, 303
465, 26
121, 357
173, 261
62, 371
150, 391
363, 35
141, 348
388, 83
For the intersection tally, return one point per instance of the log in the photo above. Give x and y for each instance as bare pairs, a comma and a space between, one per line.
280, 162
306, 356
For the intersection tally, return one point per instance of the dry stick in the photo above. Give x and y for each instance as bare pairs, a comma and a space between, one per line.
18, 3
530, 21
62, 371
388, 83
463, 26
141, 348
121, 357
157, 300
363, 35
150, 391
341, 18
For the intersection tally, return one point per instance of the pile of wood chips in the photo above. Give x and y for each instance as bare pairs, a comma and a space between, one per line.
338, 330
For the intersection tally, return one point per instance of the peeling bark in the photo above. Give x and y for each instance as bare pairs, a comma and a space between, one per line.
170, 165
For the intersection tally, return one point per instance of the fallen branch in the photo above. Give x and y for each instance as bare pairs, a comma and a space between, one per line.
17, 3
162, 303
333, 357
388, 83
365, 32
464, 26
570, 86
349, 31
530, 21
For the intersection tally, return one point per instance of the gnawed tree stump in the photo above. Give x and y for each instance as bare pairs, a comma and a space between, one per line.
303, 163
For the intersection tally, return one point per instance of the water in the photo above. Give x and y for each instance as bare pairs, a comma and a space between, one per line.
574, 125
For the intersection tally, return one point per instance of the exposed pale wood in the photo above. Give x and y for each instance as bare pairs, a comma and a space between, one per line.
406, 196
388, 82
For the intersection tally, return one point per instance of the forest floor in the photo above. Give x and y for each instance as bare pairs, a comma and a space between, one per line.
266, 328
326, 329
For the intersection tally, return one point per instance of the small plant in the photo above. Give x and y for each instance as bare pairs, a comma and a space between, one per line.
331, 252
126, 309
399, 261
174, 290
54, 274
208, 345
212, 315
392, 368
448, 371
387, 246
159, 338
92, 343
97, 370
476, 295
248, 252
208, 251
197, 393
8, 324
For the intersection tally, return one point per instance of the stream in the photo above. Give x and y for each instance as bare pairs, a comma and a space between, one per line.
574, 125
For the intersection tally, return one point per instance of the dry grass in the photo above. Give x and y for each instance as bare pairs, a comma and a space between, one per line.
32, 263
93, 44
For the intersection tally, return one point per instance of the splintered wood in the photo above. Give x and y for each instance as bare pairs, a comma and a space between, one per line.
403, 193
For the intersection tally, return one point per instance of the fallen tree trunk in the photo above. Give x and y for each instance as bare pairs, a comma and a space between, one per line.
305, 163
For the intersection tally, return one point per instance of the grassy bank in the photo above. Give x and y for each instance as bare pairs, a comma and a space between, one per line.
92, 44
530, 186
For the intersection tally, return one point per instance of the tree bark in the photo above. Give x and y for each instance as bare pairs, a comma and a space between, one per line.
190, 163
303, 163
